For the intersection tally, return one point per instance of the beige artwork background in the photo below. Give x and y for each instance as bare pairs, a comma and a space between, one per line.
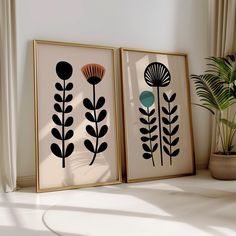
77, 171
134, 64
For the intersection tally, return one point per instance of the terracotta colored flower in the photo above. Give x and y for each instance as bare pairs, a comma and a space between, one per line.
93, 73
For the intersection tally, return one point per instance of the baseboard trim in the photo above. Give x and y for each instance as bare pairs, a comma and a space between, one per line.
26, 181
30, 181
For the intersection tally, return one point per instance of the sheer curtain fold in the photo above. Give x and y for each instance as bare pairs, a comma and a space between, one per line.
7, 96
222, 25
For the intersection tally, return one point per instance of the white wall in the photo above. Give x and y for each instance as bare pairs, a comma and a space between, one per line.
167, 25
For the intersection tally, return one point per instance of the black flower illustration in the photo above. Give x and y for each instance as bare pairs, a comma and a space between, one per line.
61, 117
157, 75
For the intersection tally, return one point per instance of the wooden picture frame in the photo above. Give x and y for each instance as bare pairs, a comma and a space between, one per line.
157, 115
77, 139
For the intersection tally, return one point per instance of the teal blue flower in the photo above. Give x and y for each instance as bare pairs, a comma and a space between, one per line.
146, 98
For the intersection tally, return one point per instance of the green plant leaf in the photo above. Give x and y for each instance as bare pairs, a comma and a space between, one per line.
230, 124
212, 92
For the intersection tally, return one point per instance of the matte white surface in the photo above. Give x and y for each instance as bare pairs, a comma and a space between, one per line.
164, 25
196, 206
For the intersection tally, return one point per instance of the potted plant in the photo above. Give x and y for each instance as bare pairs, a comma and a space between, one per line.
216, 89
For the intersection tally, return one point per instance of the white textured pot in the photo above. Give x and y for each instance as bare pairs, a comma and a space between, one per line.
223, 166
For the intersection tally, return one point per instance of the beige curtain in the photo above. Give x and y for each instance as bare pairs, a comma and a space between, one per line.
7, 97
222, 27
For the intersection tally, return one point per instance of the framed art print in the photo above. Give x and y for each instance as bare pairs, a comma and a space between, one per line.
157, 115
77, 140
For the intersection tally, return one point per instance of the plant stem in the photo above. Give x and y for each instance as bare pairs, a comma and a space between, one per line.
96, 125
227, 132
232, 131
170, 135
218, 122
63, 127
159, 117
153, 163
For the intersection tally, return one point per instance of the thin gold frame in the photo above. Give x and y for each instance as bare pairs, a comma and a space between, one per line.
115, 90
128, 180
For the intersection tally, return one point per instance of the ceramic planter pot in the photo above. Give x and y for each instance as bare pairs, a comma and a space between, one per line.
223, 167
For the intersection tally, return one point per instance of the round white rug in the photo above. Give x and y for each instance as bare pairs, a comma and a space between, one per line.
167, 207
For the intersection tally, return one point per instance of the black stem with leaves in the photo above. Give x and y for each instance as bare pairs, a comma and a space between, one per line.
64, 72
159, 120
149, 149
94, 73
157, 75
169, 130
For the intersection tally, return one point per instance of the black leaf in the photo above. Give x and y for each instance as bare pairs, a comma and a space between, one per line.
103, 131
165, 121
88, 144
68, 109
152, 112
58, 97
173, 110
101, 115
69, 98
69, 149
91, 131
100, 102
174, 131
102, 147
166, 140
56, 119
57, 107
175, 153
69, 86
69, 121
146, 147
155, 147
154, 137
55, 132
152, 121
165, 110
174, 119
153, 128
89, 116
59, 86
144, 139
174, 142
147, 155
56, 150
172, 98
144, 131
143, 111
165, 97
144, 121
166, 150
88, 104
69, 134
166, 131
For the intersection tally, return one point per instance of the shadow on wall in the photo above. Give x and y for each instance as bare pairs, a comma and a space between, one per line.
25, 113
195, 34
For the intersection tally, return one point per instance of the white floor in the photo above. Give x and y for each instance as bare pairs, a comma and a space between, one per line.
192, 206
